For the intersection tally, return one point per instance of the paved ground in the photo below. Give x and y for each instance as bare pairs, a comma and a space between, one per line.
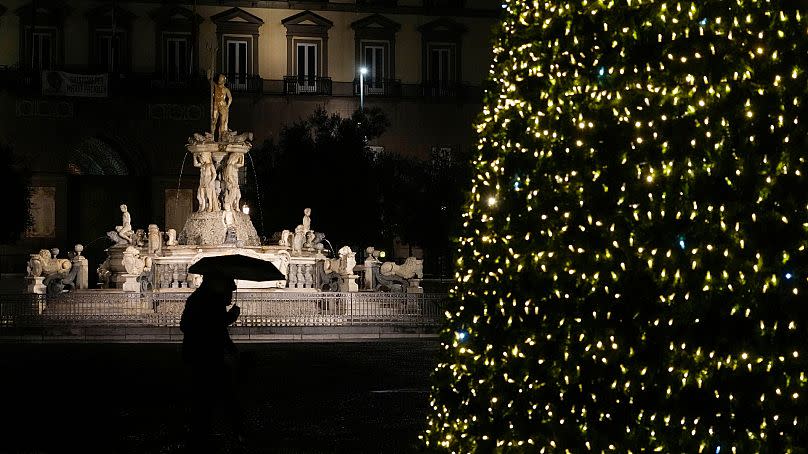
341, 397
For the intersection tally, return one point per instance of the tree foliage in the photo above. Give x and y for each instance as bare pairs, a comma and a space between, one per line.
358, 197
16, 189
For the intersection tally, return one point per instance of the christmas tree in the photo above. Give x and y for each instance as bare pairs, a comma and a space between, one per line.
632, 270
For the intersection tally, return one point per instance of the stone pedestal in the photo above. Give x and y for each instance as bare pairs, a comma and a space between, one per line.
130, 283
347, 283
415, 286
82, 279
35, 285
208, 228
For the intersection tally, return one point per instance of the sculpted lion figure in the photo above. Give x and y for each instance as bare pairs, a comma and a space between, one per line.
412, 267
43, 263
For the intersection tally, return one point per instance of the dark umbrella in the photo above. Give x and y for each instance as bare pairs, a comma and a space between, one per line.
237, 266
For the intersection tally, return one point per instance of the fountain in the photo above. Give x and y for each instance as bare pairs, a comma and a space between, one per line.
152, 260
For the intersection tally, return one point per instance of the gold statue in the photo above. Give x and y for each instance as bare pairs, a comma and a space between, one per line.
220, 98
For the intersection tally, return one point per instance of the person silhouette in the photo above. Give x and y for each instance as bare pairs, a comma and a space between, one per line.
208, 352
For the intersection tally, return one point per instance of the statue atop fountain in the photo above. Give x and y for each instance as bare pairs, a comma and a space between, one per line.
219, 154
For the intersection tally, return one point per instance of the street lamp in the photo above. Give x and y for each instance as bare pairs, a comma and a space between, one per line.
362, 72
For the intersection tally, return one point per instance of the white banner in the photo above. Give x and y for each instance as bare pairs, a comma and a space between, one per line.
60, 83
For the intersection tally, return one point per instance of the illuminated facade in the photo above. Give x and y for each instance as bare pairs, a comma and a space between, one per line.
147, 61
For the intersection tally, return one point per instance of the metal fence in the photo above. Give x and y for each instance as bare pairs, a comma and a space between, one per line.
257, 309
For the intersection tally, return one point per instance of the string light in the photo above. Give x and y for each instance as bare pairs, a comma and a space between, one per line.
638, 194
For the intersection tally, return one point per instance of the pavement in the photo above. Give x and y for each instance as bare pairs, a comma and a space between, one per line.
300, 397
110, 332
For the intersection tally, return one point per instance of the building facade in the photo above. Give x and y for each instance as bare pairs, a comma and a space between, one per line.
100, 96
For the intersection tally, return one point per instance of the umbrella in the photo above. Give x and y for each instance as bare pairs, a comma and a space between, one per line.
237, 266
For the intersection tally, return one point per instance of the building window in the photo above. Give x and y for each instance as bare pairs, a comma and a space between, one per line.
235, 62
441, 62
176, 66
41, 34
374, 61
177, 44
42, 50
109, 50
375, 51
441, 43
109, 31
237, 35
307, 51
306, 63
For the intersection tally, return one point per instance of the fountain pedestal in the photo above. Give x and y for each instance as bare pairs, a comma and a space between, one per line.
209, 228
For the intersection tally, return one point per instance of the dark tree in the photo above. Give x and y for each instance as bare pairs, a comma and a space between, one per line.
321, 162
15, 185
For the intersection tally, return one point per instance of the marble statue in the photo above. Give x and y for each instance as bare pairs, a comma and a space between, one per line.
172, 237
198, 139
309, 242
235, 137
232, 192
306, 219
134, 263
55, 283
206, 194
139, 238
155, 243
43, 263
319, 245
286, 238
411, 268
372, 263
298, 240
342, 265
138, 268
123, 234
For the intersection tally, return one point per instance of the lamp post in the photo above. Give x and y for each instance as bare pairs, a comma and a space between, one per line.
362, 72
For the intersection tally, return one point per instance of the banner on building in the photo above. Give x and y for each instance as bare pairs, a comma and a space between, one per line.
60, 83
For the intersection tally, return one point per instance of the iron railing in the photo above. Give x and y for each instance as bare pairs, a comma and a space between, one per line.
442, 89
379, 87
306, 85
244, 83
257, 309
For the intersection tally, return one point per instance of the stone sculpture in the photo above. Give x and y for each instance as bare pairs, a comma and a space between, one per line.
235, 137
55, 283
155, 240
306, 219
123, 234
286, 238
206, 194
197, 139
172, 237
409, 273
232, 193
137, 268
133, 262
412, 267
42, 266
343, 267
372, 263
43, 263
298, 240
